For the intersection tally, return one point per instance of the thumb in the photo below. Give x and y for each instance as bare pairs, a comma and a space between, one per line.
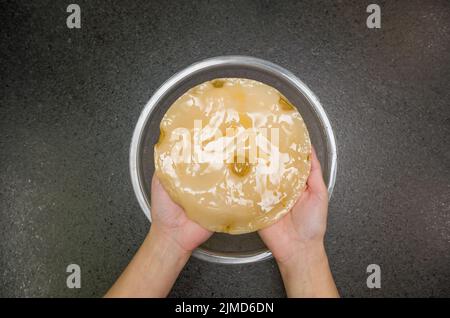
315, 180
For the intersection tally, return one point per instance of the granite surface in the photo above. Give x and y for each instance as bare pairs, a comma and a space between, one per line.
70, 99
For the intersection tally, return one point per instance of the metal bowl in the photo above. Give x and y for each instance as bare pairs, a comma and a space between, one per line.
226, 248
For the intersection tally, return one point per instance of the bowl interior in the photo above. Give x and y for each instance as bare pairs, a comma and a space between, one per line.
220, 243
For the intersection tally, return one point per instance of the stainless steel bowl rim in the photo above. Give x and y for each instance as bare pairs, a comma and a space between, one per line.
201, 253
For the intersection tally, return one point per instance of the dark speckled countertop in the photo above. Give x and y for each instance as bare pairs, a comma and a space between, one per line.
70, 99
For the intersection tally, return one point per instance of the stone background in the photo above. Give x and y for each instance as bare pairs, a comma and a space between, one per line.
70, 99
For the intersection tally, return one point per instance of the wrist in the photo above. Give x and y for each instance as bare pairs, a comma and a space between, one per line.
154, 268
164, 244
302, 253
307, 273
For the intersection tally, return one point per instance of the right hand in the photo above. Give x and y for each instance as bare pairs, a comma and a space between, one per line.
305, 225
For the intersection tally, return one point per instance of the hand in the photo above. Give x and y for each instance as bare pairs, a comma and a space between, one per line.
305, 224
166, 249
296, 241
169, 220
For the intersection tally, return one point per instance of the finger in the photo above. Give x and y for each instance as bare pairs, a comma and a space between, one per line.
160, 197
156, 186
155, 181
315, 180
158, 191
154, 190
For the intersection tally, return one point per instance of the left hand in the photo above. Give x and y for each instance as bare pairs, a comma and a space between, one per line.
170, 220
